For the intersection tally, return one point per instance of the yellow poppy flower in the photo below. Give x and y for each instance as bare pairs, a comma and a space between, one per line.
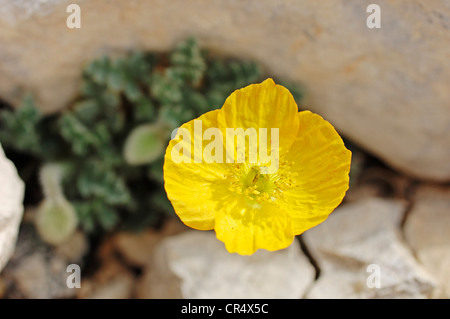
250, 208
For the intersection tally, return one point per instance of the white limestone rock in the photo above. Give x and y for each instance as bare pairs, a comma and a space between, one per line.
196, 265
427, 232
11, 207
357, 236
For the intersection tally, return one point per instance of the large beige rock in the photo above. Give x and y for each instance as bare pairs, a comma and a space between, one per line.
360, 254
196, 265
11, 208
386, 89
427, 232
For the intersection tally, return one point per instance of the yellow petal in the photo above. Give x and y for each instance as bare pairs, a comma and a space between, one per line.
264, 105
192, 187
321, 165
244, 229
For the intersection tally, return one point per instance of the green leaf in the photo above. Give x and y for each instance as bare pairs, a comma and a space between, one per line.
87, 110
107, 217
144, 110
145, 144
98, 70
56, 220
20, 128
174, 116
95, 181
188, 61
165, 87
86, 216
132, 91
76, 133
196, 101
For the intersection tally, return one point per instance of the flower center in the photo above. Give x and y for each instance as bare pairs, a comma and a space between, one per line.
247, 179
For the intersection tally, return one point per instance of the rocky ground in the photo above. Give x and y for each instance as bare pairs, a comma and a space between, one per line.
387, 221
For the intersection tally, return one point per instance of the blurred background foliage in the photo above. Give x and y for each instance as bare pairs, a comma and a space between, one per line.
107, 187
